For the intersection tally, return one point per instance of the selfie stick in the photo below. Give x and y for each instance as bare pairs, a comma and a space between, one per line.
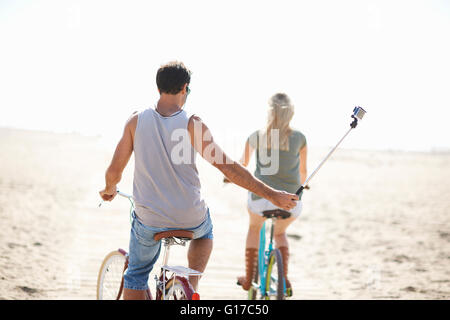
358, 114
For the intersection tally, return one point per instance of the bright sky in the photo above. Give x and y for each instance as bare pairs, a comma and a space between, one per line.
84, 66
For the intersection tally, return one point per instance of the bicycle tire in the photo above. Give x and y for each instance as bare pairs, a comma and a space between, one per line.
178, 288
274, 276
110, 276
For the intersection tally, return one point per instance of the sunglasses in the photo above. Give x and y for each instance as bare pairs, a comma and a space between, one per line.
188, 91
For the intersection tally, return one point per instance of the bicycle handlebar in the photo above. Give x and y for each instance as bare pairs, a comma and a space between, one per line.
125, 195
120, 193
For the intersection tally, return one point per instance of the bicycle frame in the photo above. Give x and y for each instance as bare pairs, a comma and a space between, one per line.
263, 258
176, 271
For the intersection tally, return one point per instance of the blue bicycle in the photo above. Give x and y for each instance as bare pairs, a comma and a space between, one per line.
269, 281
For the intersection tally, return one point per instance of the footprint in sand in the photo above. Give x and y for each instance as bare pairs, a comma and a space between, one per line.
28, 289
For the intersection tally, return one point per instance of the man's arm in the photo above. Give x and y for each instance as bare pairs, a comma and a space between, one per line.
120, 159
245, 159
203, 142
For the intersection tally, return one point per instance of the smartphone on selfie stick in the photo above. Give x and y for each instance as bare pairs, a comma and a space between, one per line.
358, 114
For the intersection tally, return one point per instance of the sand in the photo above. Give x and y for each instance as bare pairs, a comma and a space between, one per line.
375, 224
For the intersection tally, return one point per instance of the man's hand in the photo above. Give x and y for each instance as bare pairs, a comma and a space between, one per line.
108, 194
283, 199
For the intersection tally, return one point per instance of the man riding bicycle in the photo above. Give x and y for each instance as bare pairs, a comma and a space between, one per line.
166, 185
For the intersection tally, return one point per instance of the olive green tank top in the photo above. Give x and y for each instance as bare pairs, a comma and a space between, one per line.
278, 168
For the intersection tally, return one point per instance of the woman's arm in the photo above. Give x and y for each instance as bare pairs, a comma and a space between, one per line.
248, 151
302, 169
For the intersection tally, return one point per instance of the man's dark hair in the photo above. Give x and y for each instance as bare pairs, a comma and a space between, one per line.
172, 76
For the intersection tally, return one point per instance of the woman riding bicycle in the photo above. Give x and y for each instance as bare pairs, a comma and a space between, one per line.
286, 148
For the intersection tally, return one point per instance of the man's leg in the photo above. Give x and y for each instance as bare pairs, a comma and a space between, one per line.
142, 256
141, 260
130, 294
198, 256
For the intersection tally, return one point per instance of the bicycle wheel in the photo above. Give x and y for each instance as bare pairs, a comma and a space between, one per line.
275, 276
110, 276
178, 288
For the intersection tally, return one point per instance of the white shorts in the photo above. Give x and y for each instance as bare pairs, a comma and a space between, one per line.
260, 205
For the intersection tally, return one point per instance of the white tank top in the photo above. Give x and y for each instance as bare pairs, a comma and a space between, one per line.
166, 186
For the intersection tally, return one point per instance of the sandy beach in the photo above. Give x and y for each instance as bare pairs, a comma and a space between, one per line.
375, 224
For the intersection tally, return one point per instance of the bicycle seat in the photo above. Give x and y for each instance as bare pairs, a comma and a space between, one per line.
277, 213
180, 234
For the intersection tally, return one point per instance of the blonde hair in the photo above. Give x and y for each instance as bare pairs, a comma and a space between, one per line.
280, 114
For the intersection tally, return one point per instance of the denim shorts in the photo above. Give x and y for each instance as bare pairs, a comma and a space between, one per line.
144, 251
